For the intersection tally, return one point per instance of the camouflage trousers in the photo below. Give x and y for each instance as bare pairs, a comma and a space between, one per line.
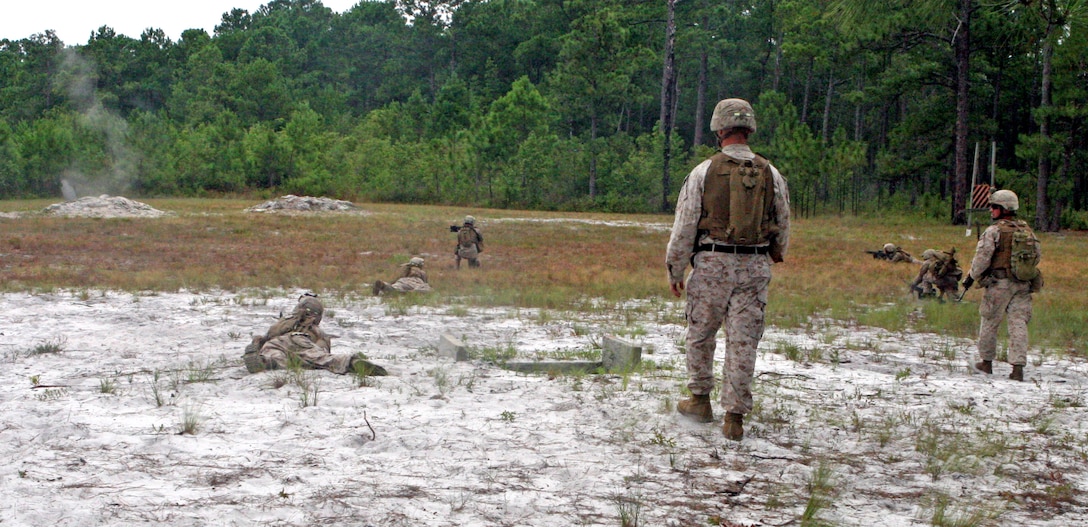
470, 253
1009, 300
411, 283
729, 290
277, 353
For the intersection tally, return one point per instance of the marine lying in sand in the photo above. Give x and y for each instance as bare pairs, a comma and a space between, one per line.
299, 339
413, 279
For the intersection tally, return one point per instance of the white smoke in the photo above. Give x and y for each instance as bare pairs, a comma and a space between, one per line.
77, 78
67, 190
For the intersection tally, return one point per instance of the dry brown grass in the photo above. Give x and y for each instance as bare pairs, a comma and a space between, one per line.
556, 264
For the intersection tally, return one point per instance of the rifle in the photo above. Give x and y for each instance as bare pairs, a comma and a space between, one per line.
455, 228
879, 255
967, 283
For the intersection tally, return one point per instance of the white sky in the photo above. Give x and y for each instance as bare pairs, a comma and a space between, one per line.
75, 20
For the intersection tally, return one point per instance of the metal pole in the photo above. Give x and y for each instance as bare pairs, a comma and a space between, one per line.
974, 174
971, 191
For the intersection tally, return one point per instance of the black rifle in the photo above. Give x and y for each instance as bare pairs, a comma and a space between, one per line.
967, 283
880, 255
455, 228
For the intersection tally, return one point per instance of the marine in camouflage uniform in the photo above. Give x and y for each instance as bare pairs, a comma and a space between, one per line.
298, 338
1005, 297
895, 254
412, 279
939, 276
470, 243
728, 283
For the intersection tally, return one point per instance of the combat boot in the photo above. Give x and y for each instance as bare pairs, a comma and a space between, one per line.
697, 407
254, 362
363, 367
252, 358
985, 366
1017, 372
733, 428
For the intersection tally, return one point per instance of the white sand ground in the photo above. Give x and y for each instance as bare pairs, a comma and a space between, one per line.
881, 429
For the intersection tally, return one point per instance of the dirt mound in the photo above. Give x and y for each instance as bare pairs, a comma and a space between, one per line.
103, 207
292, 203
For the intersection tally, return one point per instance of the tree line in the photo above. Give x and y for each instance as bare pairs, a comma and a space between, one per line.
564, 104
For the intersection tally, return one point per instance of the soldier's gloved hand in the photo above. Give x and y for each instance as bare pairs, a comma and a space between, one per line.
968, 282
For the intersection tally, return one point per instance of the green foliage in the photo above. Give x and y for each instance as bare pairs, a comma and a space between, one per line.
821, 488
550, 105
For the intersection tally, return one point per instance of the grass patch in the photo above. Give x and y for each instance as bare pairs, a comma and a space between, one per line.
157, 394
107, 386
946, 513
580, 354
213, 244
48, 347
191, 421
495, 354
820, 493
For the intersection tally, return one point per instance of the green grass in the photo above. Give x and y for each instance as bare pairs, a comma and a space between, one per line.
211, 244
50, 347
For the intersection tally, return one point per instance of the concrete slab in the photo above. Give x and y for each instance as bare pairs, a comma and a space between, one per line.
452, 347
619, 355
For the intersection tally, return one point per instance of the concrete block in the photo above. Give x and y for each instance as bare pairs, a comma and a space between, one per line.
619, 355
452, 347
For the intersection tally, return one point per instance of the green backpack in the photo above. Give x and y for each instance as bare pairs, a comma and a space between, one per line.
1025, 260
947, 265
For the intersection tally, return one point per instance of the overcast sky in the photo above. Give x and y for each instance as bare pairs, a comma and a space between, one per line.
75, 20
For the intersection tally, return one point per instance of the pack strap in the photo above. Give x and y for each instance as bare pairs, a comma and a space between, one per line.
732, 249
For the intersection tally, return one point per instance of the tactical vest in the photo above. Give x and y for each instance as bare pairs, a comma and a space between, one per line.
414, 272
1015, 252
467, 237
738, 198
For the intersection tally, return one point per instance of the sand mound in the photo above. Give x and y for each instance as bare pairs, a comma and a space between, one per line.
292, 203
103, 207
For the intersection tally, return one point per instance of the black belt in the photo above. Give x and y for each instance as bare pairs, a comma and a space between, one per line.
733, 249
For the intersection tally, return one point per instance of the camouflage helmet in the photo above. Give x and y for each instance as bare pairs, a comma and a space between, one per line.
1005, 199
308, 304
733, 113
469, 220
416, 262
890, 247
930, 254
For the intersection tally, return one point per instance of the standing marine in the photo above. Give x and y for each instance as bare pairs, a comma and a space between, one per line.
732, 221
470, 243
1005, 264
